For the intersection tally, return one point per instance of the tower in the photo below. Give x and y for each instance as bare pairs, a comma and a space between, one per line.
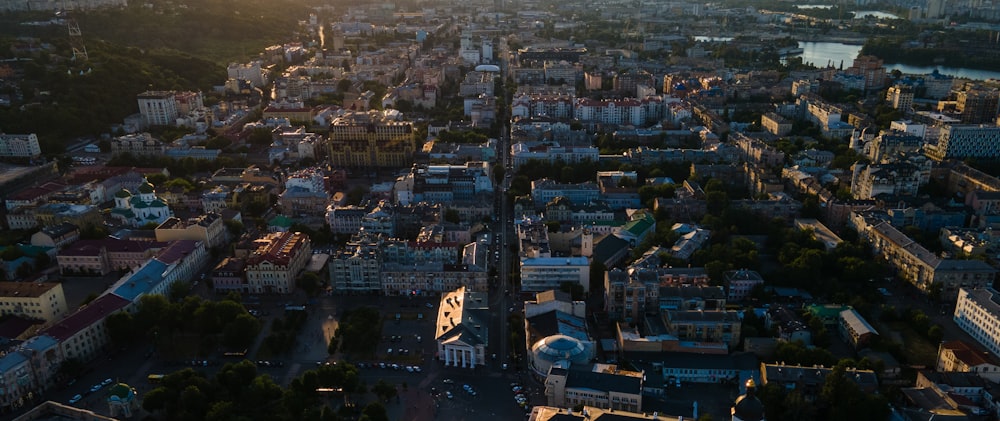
587, 243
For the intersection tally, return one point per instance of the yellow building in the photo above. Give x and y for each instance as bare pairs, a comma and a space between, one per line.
369, 139
33, 300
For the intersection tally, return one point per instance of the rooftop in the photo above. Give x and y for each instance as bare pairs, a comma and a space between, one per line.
25, 289
86, 316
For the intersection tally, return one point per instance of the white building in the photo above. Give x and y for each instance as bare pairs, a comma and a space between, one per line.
523, 152
461, 330
142, 209
545, 273
19, 146
978, 314
158, 108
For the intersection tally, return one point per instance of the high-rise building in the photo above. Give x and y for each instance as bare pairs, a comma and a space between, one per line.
977, 105
369, 139
871, 68
158, 108
900, 97
935, 9
967, 141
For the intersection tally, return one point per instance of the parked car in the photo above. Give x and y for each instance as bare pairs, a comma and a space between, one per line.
106, 382
95, 388
75, 399
448, 394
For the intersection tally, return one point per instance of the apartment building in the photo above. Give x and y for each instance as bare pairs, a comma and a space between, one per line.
810, 380
854, 329
551, 152
897, 179
230, 275
207, 228
919, 266
370, 139
602, 386
775, 124
977, 105
546, 190
900, 97
19, 146
279, 257
977, 312
33, 300
100, 257
445, 184
718, 326
545, 273
356, 268
958, 356
27, 370
739, 283
83, 334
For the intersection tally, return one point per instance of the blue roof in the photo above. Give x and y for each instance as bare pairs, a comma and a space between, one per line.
142, 281
11, 361
40, 343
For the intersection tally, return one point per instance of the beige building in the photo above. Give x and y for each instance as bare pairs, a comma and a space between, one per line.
775, 124
33, 300
958, 356
207, 228
704, 326
900, 97
461, 332
371, 140
277, 261
83, 334
602, 386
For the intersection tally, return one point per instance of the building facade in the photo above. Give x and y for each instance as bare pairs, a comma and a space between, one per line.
278, 259
19, 146
368, 140
461, 334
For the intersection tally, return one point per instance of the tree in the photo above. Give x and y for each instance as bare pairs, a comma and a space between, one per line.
121, 328
384, 391
241, 332
452, 215
309, 282
374, 411
573, 288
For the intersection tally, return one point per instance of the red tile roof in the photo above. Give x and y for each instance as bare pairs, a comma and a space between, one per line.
92, 313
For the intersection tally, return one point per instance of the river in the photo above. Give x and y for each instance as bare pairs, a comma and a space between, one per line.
822, 53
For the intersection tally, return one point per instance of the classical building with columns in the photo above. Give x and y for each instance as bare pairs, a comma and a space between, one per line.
461, 330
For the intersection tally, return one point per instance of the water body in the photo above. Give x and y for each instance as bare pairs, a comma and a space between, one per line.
822, 53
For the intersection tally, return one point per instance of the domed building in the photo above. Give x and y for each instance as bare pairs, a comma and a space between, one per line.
555, 348
139, 210
747, 406
122, 400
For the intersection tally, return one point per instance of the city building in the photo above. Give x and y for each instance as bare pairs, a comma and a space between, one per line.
33, 300
462, 328
918, 265
83, 334
900, 97
977, 105
546, 190
138, 144
556, 336
369, 140
897, 179
719, 326
958, 356
545, 273
274, 265
356, 268
56, 236
19, 146
230, 275
158, 108
523, 152
739, 284
590, 413
855, 330
27, 370
100, 257
207, 228
966, 141
775, 124
978, 313
601, 385
810, 380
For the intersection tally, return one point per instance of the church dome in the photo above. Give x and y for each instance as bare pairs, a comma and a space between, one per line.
124, 194
146, 188
561, 347
121, 392
748, 407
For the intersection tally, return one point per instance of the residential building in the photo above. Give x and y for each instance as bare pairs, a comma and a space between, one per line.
602, 386
100, 257
872, 69
461, 332
958, 356
718, 326
900, 97
445, 184
370, 139
33, 300
19, 146
207, 228
552, 413
628, 295
305, 193
775, 124
345, 219
819, 232
855, 330
897, 179
918, 265
431, 278
138, 144
279, 257
356, 268
545, 273
83, 334
977, 105
978, 313
739, 284
552, 152
158, 108
56, 236
810, 380
27, 370
545, 190
230, 275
